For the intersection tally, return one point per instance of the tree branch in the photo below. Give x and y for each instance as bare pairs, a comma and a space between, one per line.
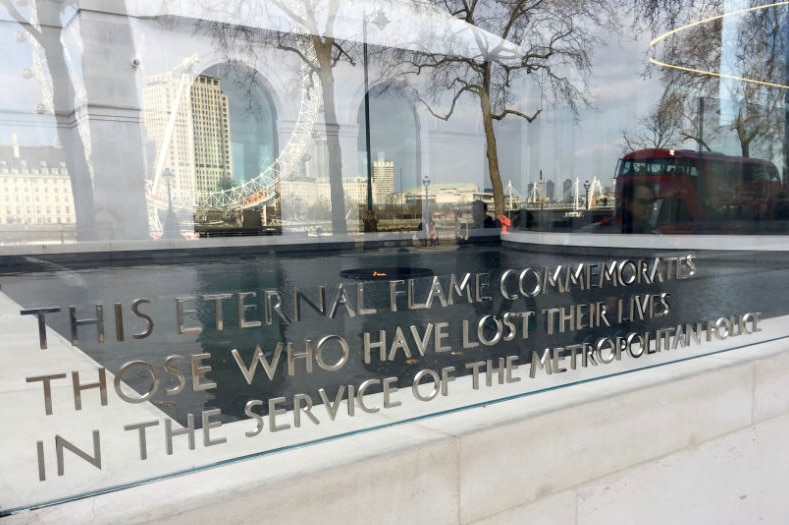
529, 118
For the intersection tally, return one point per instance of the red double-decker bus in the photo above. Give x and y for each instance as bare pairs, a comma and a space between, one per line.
702, 192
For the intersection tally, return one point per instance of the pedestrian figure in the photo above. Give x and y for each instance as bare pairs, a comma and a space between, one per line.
432, 234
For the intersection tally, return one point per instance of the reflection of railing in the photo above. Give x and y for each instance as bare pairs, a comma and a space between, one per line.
17, 234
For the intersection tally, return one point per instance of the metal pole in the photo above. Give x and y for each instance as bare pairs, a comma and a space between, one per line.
785, 172
586, 197
168, 175
425, 208
425, 213
367, 120
701, 125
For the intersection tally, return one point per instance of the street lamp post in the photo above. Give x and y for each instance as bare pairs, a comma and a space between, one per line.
369, 220
586, 189
785, 172
425, 208
171, 229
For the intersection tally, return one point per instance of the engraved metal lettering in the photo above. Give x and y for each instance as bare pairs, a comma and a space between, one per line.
119, 335
170, 433
40, 314
394, 292
208, 425
148, 319
180, 311
447, 375
168, 368
218, 317
303, 403
298, 297
77, 388
98, 321
47, 388
61, 444
418, 380
273, 412
306, 356
252, 403
360, 396
199, 369
142, 438
344, 348
242, 310
119, 387
389, 390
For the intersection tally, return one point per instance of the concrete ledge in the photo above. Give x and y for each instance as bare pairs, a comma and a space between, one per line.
739, 243
32, 257
700, 441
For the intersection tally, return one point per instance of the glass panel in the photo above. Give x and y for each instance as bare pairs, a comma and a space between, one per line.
232, 227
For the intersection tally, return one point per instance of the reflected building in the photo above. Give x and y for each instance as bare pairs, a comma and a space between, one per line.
550, 189
35, 186
383, 181
459, 195
168, 124
253, 118
211, 128
567, 190
188, 127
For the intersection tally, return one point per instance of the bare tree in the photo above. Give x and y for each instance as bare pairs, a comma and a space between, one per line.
47, 36
109, 198
554, 39
660, 129
759, 62
738, 67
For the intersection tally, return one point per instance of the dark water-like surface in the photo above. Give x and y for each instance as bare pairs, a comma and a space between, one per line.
722, 286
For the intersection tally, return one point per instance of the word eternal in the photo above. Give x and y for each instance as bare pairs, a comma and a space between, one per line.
266, 307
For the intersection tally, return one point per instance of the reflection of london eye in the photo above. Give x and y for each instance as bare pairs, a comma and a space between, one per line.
258, 191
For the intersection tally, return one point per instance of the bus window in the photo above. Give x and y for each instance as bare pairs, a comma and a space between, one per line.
647, 167
687, 167
762, 173
721, 174
673, 212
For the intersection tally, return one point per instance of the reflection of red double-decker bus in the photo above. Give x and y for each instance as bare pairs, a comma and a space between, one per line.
702, 192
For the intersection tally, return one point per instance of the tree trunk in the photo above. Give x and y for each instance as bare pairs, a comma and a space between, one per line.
67, 129
332, 128
490, 142
742, 135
